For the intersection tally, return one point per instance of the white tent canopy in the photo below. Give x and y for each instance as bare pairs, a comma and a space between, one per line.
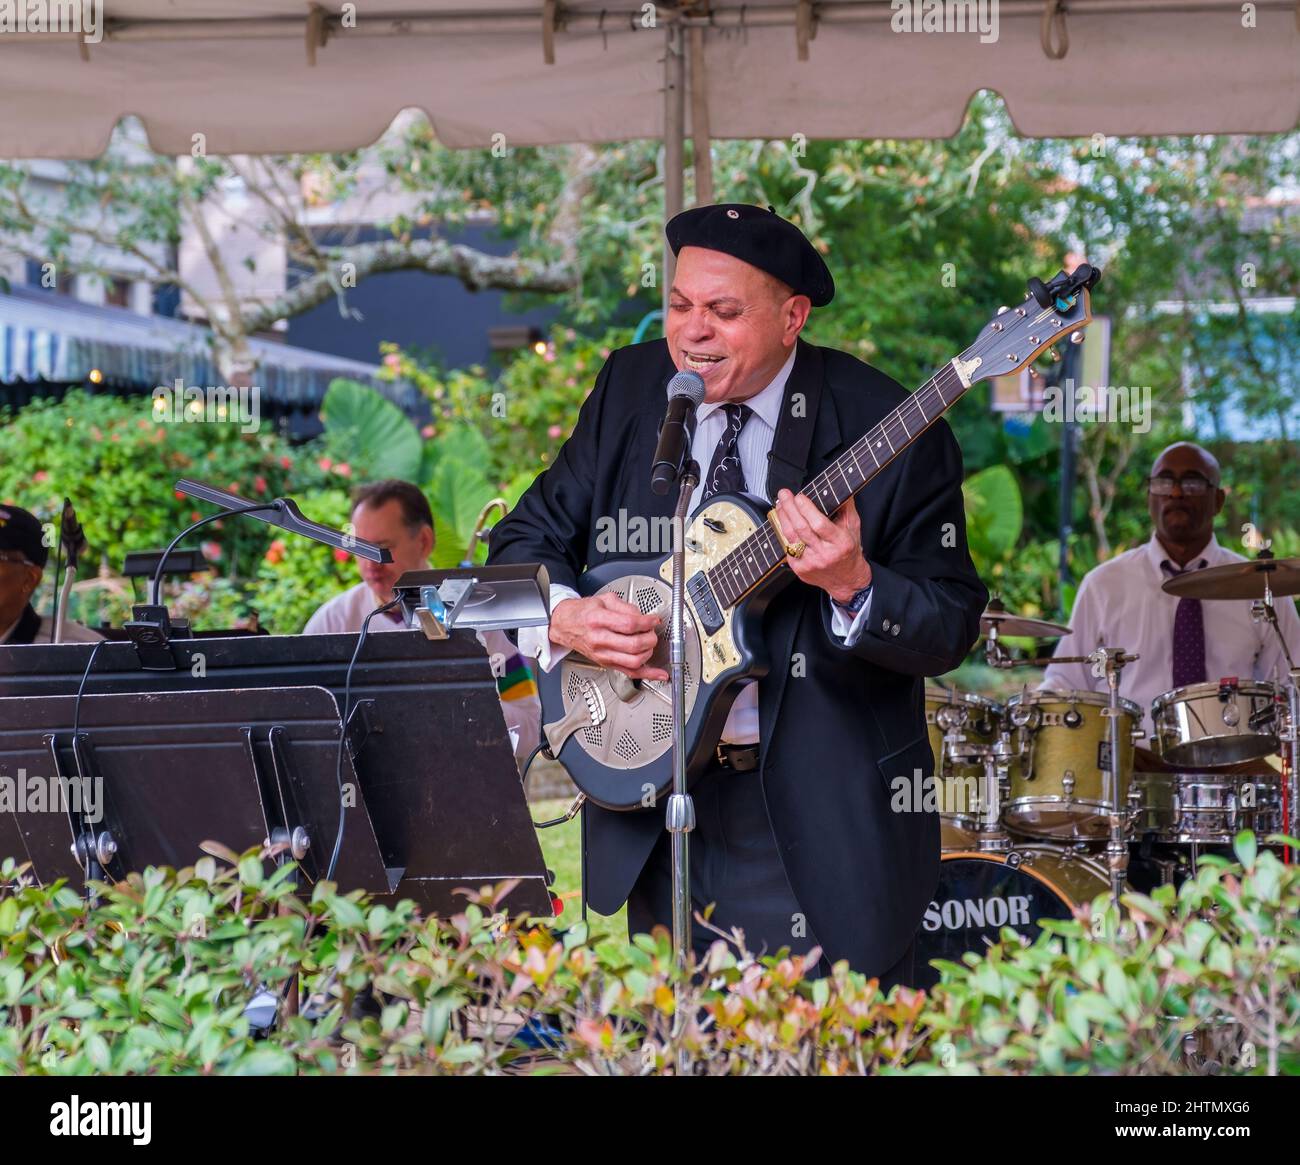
241, 72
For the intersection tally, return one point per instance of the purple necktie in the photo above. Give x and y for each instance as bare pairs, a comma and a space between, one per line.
1189, 638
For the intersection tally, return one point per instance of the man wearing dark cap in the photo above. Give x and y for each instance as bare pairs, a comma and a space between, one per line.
797, 840
23, 555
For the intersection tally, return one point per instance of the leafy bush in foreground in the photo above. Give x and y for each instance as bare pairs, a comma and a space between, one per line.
155, 978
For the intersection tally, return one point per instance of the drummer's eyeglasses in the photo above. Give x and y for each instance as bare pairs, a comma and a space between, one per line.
16, 558
1192, 484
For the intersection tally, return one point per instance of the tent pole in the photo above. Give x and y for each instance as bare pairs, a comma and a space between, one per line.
701, 157
674, 140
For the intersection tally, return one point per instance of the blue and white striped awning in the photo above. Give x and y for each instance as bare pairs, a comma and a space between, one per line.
51, 337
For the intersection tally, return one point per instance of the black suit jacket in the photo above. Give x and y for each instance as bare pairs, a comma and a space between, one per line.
838, 725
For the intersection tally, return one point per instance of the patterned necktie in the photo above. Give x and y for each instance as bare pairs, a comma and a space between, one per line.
726, 474
1189, 637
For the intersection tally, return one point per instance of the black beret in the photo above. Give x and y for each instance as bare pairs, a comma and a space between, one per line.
24, 533
761, 238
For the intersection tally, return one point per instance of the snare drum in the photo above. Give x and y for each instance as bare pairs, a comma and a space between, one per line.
1208, 808
965, 720
1058, 789
1204, 725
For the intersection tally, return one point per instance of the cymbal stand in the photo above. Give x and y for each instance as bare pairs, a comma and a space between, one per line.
1263, 611
995, 655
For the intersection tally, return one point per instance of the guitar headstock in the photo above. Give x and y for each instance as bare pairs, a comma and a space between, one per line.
1015, 336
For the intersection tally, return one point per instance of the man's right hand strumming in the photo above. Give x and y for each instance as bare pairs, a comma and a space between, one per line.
610, 632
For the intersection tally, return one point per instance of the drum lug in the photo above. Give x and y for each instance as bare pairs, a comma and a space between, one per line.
1067, 784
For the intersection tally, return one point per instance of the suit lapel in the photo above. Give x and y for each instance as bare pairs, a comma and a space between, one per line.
807, 437
806, 426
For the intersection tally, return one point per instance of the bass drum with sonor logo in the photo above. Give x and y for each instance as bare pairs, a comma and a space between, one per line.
981, 893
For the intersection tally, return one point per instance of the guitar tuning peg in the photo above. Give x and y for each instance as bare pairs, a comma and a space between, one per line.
1076, 337
1054, 354
1003, 309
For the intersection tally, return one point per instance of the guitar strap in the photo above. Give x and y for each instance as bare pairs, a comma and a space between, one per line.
788, 458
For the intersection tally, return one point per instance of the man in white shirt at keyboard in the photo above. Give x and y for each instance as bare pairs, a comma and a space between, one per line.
396, 515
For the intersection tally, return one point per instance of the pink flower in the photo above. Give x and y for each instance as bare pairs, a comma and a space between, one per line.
343, 469
554, 432
325, 464
428, 432
393, 361
341, 555
286, 462
40, 475
259, 484
211, 551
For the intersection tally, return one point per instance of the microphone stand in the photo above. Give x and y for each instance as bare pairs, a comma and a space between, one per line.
681, 808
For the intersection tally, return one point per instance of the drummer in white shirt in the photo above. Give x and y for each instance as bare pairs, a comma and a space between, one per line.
1179, 641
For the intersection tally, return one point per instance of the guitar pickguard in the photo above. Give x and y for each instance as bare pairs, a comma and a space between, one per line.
714, 532
627, 724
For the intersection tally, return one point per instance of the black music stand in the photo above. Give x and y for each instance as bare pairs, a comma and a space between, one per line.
439, 803
157, 774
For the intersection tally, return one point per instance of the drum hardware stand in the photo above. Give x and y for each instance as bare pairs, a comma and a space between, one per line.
995, 655
995, 759
1114, 659
992, 838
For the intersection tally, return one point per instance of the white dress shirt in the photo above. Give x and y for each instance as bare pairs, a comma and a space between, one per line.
754, 442
345, 613
1121, 604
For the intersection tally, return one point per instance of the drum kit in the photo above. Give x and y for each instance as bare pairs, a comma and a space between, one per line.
1046, 800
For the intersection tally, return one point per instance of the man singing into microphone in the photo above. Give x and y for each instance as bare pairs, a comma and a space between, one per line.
796, 843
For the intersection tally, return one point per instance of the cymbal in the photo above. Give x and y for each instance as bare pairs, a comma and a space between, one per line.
1238, 580
1009, 623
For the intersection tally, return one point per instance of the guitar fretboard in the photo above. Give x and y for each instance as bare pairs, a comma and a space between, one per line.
741, 569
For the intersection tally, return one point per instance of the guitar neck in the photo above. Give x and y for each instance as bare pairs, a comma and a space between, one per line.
744, 567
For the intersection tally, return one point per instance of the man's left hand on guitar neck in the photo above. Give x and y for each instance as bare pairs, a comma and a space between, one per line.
833, 558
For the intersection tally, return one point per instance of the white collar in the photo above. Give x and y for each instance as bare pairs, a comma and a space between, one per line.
766, 404
1211, 555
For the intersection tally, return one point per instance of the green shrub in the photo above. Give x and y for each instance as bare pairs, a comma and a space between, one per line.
154, 978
